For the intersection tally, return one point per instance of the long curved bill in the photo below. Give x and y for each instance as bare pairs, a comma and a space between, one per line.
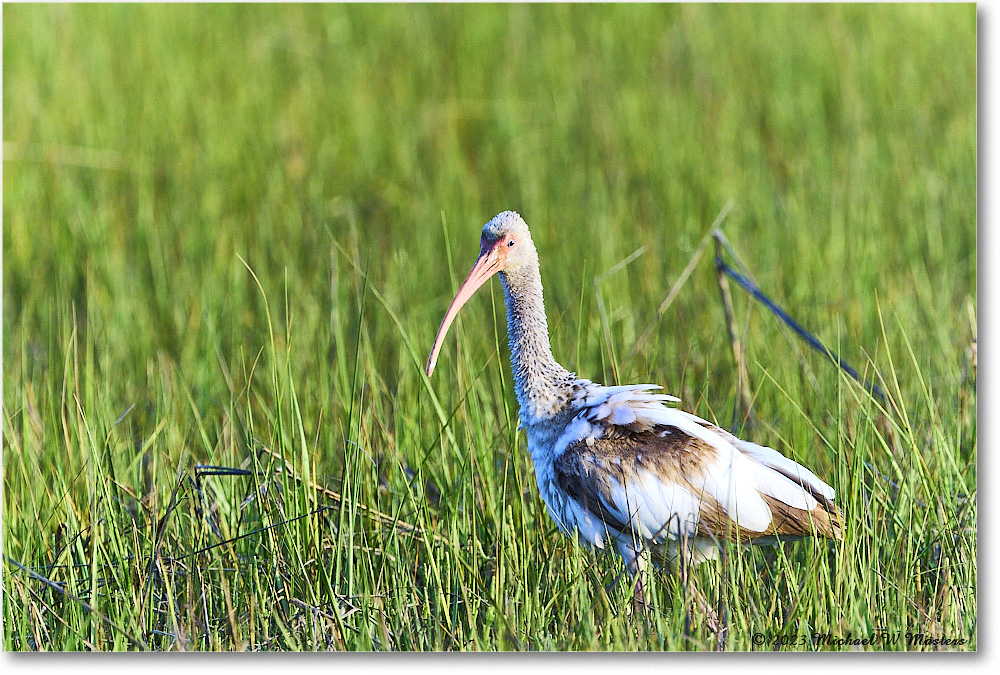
487, 265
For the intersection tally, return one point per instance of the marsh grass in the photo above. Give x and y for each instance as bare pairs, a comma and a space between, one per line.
230, 232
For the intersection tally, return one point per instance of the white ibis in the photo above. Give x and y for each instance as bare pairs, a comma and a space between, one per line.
618, 468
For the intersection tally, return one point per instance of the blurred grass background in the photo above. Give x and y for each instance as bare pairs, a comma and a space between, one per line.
350, 154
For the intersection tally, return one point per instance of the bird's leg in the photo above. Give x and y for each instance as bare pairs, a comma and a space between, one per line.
638, 595
683, 561
712, 621
635, 563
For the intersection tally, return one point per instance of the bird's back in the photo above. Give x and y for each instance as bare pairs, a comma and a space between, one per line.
626, 465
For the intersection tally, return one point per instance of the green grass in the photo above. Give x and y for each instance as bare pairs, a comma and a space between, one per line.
349, 155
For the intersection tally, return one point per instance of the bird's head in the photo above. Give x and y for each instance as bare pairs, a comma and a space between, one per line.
505, 247
507, 238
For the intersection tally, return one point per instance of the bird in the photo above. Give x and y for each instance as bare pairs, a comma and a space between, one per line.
620, 468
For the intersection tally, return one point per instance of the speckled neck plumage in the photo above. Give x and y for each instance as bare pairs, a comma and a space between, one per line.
543, 387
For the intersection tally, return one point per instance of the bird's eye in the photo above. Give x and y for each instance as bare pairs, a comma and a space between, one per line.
510, 242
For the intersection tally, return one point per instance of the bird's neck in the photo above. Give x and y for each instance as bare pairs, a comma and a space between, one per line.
543, 387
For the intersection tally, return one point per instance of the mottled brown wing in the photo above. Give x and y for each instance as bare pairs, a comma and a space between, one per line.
588, 472
586, 479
